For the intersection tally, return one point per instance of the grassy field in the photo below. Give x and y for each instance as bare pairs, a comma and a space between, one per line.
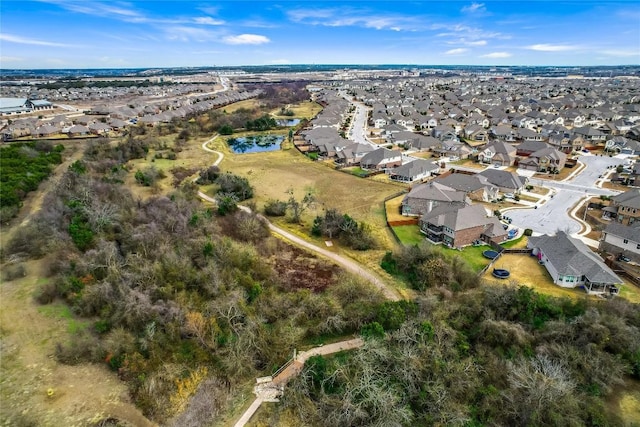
274, 173
302, 110
247, 104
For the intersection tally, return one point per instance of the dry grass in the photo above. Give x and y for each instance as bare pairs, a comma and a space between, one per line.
469, 164
302, 110
79, 394
393, 209
274, 173
525, 270
248, 104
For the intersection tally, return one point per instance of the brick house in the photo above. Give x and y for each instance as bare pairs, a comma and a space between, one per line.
457, 226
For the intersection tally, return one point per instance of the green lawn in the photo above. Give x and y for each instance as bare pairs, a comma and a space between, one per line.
409, 234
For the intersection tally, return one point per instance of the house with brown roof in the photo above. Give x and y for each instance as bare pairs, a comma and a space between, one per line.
624, 208
498, 153
545, 160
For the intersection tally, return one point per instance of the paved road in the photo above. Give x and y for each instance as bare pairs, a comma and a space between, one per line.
554, 214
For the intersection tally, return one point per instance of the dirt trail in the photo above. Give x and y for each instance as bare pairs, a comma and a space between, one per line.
34, 388
347, 263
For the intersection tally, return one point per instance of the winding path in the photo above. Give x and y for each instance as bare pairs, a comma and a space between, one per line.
346, 263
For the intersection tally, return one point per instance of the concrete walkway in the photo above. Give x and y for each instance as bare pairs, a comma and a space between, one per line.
270, 391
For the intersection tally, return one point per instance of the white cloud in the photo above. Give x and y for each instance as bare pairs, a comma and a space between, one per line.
349, 17
495, 55
185, 33
544, 47
477, 43
474, 8
246, 39
207, 20
25, 40
7, 59
621, 53
457, 51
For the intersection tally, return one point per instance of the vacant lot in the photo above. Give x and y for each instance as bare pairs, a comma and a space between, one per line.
37, 390
274, 174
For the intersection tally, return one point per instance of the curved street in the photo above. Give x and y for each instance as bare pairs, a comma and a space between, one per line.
553, 215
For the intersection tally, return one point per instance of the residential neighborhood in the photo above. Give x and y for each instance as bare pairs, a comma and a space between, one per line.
461, 146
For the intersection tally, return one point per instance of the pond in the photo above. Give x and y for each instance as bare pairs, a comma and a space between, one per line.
288, 122
255, 144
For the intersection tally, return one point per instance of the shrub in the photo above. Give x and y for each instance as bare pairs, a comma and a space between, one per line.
528, 232
236, 185
275, 208
13, 271
225, 130
209, 175
46, 293
372, 330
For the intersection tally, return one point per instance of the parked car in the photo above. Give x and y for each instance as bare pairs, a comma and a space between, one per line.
623, 258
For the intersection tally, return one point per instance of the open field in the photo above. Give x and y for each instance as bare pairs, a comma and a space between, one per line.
302, 110
37, 390
274, 173
247, 104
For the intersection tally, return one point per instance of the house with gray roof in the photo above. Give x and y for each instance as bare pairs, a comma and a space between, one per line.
507, 182
415, 170
477, 187
352, 154
457, 226
423, 198
381, 159
545, 160
621, 239
572, 264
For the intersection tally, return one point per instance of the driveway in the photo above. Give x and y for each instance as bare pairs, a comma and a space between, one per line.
554, 214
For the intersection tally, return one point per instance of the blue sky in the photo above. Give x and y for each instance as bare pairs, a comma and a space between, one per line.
97, 34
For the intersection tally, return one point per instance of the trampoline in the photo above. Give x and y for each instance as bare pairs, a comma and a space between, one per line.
501, 273
490, 254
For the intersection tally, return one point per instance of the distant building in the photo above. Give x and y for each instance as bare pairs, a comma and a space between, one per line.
22, 105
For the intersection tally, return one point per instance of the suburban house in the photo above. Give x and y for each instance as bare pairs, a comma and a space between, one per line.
415, 170
498, 153
457, 226
424, 198
527, 148
477, 187
503, 133
507, 182
352, 154
425, 143
572, 264
621, 239
545, 160
381, 159
22, 105
625, 207
622, 145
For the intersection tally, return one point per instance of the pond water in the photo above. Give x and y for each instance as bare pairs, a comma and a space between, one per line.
255, 144
289, 122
